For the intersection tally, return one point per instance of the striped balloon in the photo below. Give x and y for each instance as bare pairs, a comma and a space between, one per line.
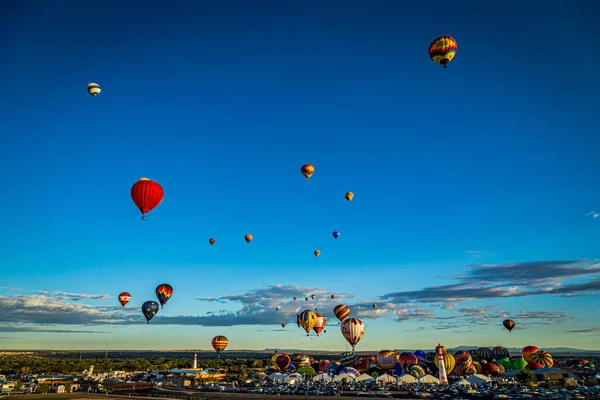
164, 293
500, 352
93, 89
449, 362
442, 50
485, 354
219, 343
341, 312
353, 330
542, 357
347, 358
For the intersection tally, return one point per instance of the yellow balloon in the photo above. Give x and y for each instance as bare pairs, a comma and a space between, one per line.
349, 196
449, 362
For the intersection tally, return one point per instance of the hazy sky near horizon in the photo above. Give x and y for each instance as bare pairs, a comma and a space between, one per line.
475, 186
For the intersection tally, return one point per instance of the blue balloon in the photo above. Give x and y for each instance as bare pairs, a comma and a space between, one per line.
420, 354
150, 308
336, 234
398, 369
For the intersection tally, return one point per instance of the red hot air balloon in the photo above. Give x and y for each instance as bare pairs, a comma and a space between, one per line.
212, 241
146, 195
124, 298
283, 361
508, 324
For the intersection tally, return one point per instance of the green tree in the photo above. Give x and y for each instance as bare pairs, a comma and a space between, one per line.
68, 386
374, 375
526, 377
18, 387
42, 388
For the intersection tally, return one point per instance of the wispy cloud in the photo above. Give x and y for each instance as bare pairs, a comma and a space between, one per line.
80, 296
11, 328
509, 280
593, 214
589, 330
478, 253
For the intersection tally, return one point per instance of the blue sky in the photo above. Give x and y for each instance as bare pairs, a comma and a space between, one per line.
489, 165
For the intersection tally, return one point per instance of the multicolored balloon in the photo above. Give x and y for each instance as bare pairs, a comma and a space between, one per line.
212, 241
93, 89
149, 309
442, 50
307, 170
317, 253
449, 361
248, 238
320, 324
341, 312
219, 343
528, 351
353, 330
283, 361
164, 293
386, 359
307, 320
147, 195
509, 324
542, 357
124, 298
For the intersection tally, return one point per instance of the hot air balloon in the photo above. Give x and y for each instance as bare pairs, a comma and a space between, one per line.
307, 170
312, 296
336, 234
306, 298
449, 361
349, 196
295, 299
324, 365
320, 324
283, 361
527, 351
164, 293
375, 306
124, 298
542, 357
248, 238
276, 308
509, 324
341, 312
353, 330
283, 325
93, 89
386, 359
146, 195
500, 352
442, 50
484, 354
219, 343
332, 296
149, 309
317, 253
316, 308
212, 241
307, 320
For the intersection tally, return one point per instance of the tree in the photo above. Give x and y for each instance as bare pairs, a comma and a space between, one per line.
42, 388
18, 387
374, 374
526, 377
68, 386
25, 370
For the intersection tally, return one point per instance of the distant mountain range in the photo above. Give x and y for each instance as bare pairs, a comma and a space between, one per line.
266, 353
